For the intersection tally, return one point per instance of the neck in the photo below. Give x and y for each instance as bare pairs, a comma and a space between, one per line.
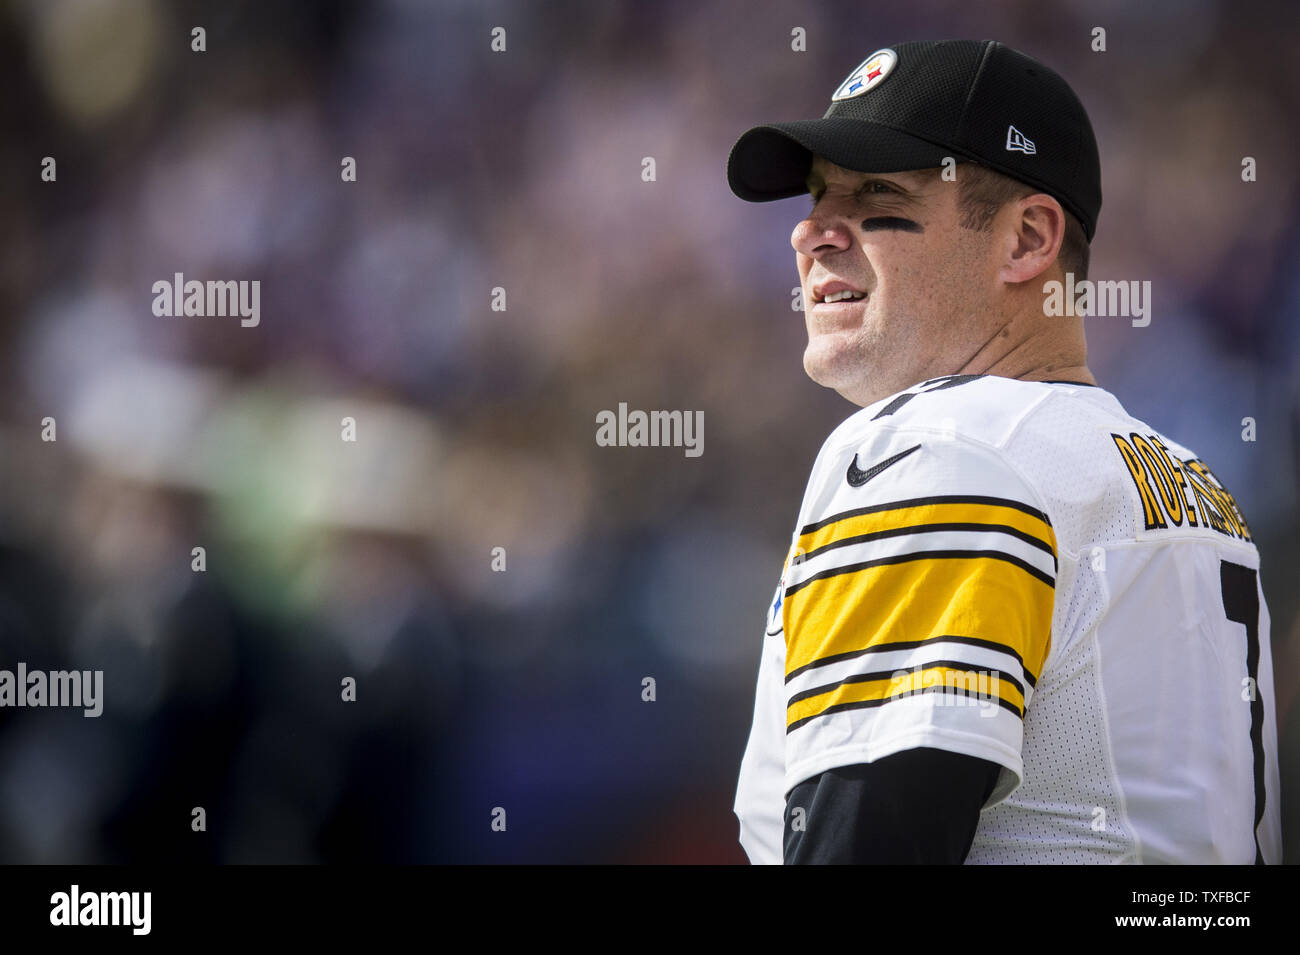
1021, 346
1037, 370
1024, 347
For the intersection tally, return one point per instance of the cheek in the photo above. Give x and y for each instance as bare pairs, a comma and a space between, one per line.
927, 275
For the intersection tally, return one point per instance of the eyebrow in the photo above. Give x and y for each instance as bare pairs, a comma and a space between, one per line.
813, 180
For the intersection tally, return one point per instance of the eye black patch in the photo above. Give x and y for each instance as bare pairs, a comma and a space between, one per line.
877, 223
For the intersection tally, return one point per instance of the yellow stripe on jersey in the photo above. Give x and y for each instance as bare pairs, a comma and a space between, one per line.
975, 683
918, 597
908, 514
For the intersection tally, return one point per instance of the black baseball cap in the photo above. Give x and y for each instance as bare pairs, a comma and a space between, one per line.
909, 106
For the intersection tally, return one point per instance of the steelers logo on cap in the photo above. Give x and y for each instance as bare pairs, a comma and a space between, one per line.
869, 74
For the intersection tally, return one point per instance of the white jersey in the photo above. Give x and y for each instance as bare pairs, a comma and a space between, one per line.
1022, 572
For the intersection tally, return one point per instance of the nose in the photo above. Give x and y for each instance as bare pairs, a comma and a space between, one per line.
821, 231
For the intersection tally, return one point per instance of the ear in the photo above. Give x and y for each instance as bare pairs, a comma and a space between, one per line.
1030, 230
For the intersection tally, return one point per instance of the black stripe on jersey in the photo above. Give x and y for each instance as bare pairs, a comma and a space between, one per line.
922, 555
1054, 381
895, 403
931, 528
912, 645
921, 502
964, 665
949, 381
867, 704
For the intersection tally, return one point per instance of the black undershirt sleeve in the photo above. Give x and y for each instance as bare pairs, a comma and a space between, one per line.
920, 806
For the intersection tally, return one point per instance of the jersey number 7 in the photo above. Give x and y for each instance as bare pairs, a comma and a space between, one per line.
1241, 605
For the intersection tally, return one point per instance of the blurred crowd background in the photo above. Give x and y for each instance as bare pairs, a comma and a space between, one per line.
520, 170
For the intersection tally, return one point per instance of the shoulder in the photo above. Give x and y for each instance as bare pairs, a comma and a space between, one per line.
955, 434
935, 454
983, 408
1046, 448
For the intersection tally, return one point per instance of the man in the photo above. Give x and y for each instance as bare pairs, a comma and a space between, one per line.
1015, 623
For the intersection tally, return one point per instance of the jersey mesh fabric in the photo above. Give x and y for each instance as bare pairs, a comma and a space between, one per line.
1066, 745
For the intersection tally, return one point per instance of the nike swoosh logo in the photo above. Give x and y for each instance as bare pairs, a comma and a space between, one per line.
857, 477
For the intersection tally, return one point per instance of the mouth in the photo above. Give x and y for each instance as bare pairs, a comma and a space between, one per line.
841, 304
834, 302
837, 294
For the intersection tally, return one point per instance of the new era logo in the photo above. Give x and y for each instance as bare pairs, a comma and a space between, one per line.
1019, 142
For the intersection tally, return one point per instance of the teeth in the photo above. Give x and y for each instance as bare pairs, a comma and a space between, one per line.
843, 296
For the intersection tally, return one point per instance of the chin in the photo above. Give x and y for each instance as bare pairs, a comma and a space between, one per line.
849, 375
832, 365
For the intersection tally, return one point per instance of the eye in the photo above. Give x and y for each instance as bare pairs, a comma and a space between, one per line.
873, 187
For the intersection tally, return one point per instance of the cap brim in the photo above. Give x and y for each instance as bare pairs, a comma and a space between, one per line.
772, 161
